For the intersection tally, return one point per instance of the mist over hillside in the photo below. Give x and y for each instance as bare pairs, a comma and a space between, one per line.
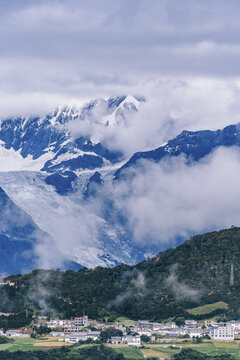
195, 273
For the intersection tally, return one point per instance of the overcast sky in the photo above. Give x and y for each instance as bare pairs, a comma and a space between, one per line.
61, 51
183, 56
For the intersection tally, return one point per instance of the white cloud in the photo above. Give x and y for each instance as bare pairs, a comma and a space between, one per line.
172, 105
47, 17
183, 57
76, 49
180, 289
169, 200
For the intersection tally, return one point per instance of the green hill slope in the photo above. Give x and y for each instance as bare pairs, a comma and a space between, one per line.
203, 270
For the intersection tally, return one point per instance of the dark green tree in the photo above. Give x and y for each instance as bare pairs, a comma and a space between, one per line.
108, 333
180, 321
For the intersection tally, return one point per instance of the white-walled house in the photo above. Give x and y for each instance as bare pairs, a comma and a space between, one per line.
143, 324
74, 338
235, 325
191, 323
171, 325
115, 340
208, 323
144, 332
132, 340
76, 325
81, 321
56, 333
194, 332
16, 333
83, 336
222, 332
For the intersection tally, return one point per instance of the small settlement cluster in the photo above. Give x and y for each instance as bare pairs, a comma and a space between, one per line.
75, 330
79, 329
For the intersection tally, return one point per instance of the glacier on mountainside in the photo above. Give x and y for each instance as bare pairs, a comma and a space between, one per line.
45, 171
66, 180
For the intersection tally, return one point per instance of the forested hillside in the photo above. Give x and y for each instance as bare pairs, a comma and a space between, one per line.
203, 270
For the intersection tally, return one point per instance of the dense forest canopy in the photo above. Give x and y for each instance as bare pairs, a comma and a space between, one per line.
194, 273
99, 352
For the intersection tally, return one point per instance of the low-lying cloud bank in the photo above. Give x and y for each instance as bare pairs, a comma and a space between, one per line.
171, 105
160, 205
74, 49
170, 200
183, 59
180, 289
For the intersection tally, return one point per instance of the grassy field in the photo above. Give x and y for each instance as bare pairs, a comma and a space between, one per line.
208, 347
154, 353
129, 352
5, 346
125, 321
27, 344
206, 309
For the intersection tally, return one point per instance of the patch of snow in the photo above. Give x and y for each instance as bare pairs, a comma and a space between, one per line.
110, 120
73, 227
11, 160
103, 170
129, 99
71, 155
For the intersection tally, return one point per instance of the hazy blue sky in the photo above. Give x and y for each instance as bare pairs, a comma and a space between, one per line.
52, 51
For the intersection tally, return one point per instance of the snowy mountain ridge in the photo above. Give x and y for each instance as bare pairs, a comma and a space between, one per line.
40, 161
49, 139
67, 183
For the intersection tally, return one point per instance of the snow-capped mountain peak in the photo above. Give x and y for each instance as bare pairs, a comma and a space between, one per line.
120, 114
28, 139
48, 172
130, 99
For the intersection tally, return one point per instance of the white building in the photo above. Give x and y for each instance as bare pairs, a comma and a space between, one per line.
81, 321
235, 325
181, 331
115, 340
171, 325
194, 332
156, 326
74, 338
83, 336
222, 332
143, 324
56, 323
144, 332
191, 323
132, 340
16, 333
208, 323
56, 333
76, 325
